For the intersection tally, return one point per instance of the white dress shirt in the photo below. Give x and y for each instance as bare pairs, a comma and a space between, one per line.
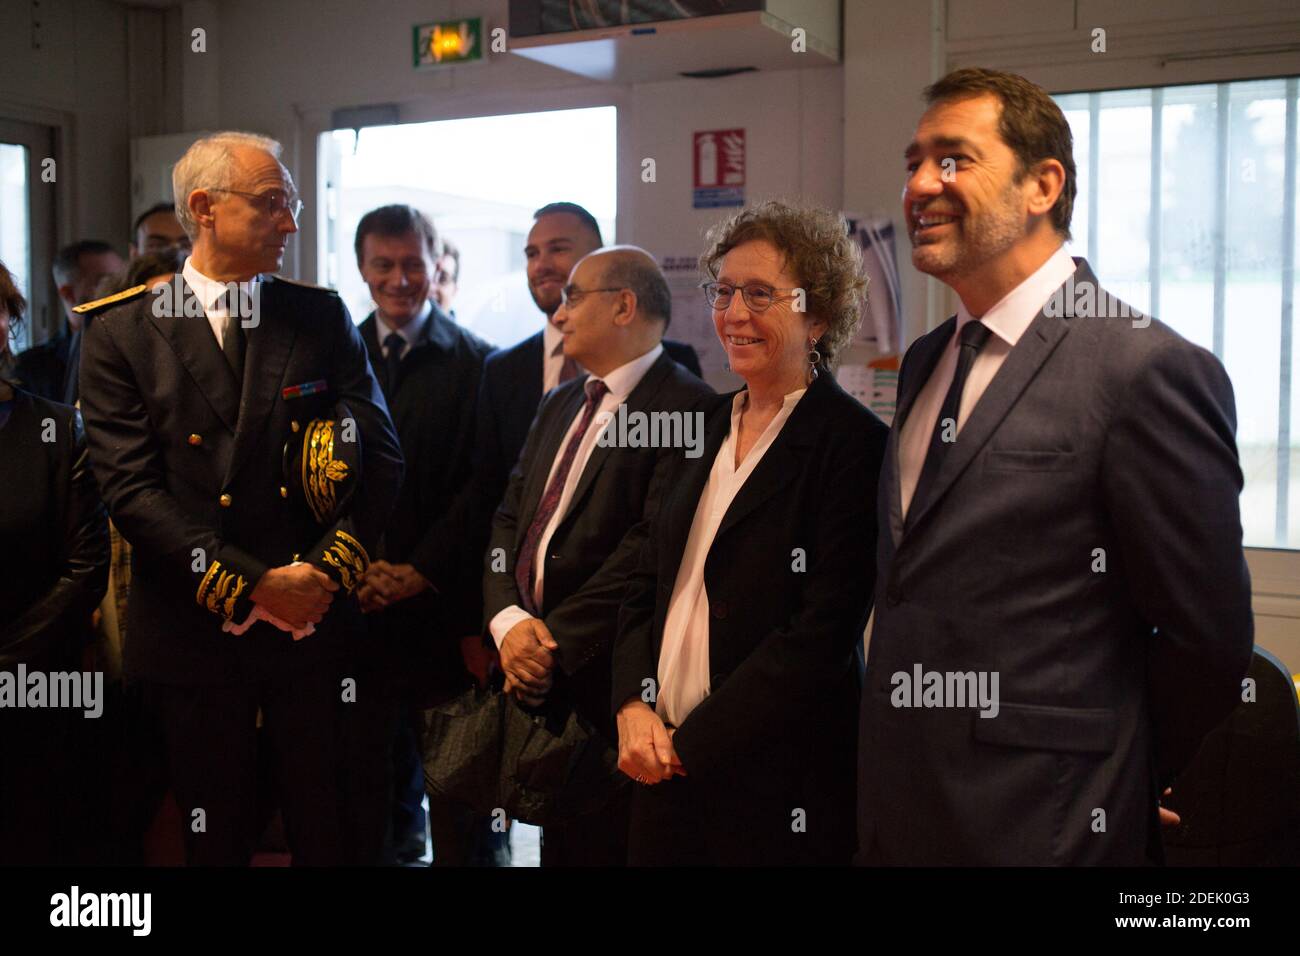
211, 295
1008, 320
553, 357
620, 383
410, 332
684, 653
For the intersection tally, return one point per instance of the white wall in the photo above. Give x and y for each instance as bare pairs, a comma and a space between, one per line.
76, 82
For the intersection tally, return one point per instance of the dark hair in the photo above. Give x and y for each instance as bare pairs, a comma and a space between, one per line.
11, 300
818, 249
573, 209
141, 270
642, 276
397, 220
449, 249
68, 261
1031, 124
155, 209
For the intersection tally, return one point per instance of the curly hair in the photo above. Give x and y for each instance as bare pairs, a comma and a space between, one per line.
14, 305
818, 249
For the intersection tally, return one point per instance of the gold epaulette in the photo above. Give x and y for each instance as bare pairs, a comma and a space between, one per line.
99, 305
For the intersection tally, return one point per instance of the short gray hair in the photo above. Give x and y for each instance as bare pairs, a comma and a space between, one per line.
209, 163
632, 268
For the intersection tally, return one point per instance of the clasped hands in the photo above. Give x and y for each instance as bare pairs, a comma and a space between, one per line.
645, 745
385, 584
298, 594
528, 660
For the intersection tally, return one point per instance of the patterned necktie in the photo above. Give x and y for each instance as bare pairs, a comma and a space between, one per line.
392, 362
526, 561
973, 336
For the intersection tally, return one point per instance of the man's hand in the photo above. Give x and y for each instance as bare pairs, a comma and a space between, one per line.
385, 584
527, 659
298, 594
1167, 817
645, 746
478, 658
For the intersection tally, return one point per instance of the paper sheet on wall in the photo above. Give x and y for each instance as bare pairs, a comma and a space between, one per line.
692, 320
881, 327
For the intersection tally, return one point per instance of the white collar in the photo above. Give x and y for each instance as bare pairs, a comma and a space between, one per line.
627, 376
551, 338
409, 332
210, 291
1014, 312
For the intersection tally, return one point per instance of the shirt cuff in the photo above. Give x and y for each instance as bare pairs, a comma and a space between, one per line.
505, 619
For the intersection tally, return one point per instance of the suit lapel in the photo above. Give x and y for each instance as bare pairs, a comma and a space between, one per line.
685, 494
269, 344
928, 351
191, 338
1017, 371
560, 417
637, 401
781, 463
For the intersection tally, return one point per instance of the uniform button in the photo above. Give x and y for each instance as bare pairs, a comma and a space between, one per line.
226, 501
294, 425
284, 492
196, 439
718, 609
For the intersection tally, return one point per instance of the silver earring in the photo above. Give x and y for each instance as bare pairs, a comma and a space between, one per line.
814, 359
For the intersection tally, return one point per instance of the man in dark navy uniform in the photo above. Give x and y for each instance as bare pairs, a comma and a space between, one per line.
241, 593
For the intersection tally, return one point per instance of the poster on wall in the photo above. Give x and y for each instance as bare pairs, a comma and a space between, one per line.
719, 165
692, 320
881, 327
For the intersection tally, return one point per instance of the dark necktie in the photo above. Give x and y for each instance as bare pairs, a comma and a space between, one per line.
973, 336
526, 560
392, 361
232, 345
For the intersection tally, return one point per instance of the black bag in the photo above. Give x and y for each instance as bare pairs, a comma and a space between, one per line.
486, 751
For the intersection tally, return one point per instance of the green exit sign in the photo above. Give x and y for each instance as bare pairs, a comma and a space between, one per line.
449, 41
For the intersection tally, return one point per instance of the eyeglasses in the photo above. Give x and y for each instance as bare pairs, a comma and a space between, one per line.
272, 203
759, 298
569, 295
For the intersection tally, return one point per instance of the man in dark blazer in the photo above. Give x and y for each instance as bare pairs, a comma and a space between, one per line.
429, 368
241, 594
1063, 606
516, 378
563, 538
50, 369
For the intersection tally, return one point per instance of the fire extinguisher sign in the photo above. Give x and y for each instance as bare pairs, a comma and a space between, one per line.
719, 168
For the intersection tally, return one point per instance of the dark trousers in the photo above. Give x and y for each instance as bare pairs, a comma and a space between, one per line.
597, 839
39, 784
212, 746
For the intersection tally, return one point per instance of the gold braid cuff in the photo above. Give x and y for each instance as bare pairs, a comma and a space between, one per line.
219, 590
348, 558
321, 471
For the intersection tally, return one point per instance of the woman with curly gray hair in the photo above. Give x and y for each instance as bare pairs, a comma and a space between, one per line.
736, 672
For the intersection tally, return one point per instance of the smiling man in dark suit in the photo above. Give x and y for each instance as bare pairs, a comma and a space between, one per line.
241, 593
1063, 606
566, 525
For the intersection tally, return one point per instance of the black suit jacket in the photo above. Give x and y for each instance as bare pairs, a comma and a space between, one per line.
597, 540
192, 471
789, 579
54, 528
433, 405
43, 369
1095, 440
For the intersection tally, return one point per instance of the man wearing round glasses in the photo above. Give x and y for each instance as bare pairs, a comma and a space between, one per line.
240, 594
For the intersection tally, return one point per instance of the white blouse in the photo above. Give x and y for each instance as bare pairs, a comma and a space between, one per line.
684, 653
